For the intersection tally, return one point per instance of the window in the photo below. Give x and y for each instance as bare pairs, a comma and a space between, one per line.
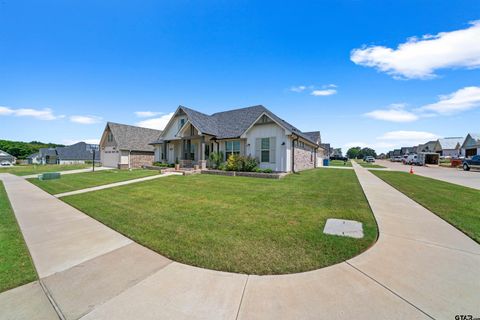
265, 150
110, 137
181, 122
232, 147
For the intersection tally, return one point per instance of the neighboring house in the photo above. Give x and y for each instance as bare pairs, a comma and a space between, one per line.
6, 157
407, 150
191, 136
449, 147
337, 152
327, 149
77, 153
427, 147
471, 145
123, 146
397, 152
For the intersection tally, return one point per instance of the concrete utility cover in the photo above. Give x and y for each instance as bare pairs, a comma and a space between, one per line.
346, 228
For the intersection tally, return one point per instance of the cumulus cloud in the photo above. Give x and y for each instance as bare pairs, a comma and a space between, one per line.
394, 113
85, 119
156, 123
147, 114
40, 114
461, 100
299, 88
413, 137
374, 145
420, 57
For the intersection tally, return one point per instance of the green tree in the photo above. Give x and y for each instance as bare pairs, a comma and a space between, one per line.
366, 152
353, 152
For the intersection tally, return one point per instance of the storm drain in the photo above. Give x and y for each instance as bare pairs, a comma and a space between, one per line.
345, 228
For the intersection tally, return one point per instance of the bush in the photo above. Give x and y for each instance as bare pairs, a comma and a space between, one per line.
241, 163
263, 170
216, 159
162, 165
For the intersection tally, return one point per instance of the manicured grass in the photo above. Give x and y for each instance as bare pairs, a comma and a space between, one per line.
340, 163
25, 170
84, 180
16, 267
369, 164
239, 224
458, 205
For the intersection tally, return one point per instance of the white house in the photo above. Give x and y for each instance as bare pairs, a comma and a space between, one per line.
471, 145
449, 147
190, 136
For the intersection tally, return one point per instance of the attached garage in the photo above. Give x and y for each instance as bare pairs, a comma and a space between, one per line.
471, 145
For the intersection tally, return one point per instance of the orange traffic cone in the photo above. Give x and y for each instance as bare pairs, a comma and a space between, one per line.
411, 169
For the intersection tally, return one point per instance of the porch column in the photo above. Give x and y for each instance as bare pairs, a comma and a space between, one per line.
202, 163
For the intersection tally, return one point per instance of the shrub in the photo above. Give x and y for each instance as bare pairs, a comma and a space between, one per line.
249, 164
233, 163
216, 159
267, 171
161, 164
241, 163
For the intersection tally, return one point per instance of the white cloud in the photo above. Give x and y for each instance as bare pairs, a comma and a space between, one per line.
43, 114
85, 119
413, 137
156, 123
298, 88
324, 92
420, 58
147, 114
375, 145
394, 112
461, 100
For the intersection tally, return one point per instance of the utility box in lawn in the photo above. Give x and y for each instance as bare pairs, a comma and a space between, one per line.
49, 176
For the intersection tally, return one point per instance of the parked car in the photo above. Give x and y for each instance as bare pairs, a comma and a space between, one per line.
397, 159
369, 159
338, 158
473, 163
412, 159
6, 164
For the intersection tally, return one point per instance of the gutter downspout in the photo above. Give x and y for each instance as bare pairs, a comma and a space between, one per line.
315, 159
293, 153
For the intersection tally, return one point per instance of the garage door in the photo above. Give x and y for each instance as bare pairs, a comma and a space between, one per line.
109, 158
470, 153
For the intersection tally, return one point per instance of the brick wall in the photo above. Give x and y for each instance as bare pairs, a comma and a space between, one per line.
303, 159
138, 159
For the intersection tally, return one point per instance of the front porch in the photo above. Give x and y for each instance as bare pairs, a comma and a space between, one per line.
188, 152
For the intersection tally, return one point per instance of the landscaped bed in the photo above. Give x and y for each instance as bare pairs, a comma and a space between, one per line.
239, 224
77, 181
25, 170
16, 267
458, 205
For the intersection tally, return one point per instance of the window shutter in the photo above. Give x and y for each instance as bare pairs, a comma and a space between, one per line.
258, 144
273, 146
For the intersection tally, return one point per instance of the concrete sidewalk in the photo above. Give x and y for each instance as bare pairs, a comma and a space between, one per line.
69, 172
116, 184
420, 268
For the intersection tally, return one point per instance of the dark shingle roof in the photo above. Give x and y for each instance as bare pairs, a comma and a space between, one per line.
77, 151
133, 138
47, 152
233, 123
314, 136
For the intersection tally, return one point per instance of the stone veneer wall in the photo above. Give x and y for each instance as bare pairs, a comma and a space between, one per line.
303, 159
139, 159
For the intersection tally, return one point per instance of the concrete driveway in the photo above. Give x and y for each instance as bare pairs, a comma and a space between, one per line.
457, 176
420, 268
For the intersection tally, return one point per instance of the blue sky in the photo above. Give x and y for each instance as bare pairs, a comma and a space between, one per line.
67, 67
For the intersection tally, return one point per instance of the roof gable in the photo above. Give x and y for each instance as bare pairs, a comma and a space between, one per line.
450, 143
133, 138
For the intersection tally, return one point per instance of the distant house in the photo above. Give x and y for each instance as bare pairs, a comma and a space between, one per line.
190, 136
471, 145
397, 152
123, 146
76, 153
7, 158
449, 147
407, 150
427, 147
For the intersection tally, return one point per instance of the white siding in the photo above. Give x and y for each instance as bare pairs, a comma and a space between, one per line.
124, 157
267, 131
170, 133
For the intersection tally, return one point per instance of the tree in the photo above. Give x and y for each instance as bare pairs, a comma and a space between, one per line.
353, 152
366, 152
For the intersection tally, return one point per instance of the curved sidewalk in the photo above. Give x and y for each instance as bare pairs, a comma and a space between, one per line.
420, 268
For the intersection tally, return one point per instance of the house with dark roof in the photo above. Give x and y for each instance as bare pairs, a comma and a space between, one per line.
123, 146
190, 136
427, 147
76, 153
471, 145
6, 158
449, 147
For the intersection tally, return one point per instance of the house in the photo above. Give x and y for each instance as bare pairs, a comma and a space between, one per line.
471, 145
123, 146
427, 147
449, 147
77, 153
190, 136
397, 153
7, 158
407, 150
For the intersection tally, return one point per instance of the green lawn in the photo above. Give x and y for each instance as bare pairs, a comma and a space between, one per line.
16, 267
369, 164
340, 163
25, 170
458, 205
77, 181
238, 224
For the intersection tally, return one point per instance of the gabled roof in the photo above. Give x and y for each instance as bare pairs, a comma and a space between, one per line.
233, 123
47, 152
427, 147
133, 138
314, 136
450, 143
474, 136
77, 151
5, 154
